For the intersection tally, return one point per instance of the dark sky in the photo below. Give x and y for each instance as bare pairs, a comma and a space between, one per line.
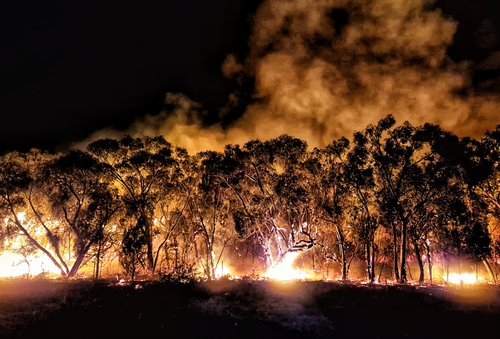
68, 68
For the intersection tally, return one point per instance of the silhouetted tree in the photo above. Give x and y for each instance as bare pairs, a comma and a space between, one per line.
142, 167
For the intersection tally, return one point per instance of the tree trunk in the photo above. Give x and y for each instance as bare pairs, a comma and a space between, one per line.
133, 274
368, 261
267, 253
429, 261
209, 261
488, 268
176, 249
419, 260
149, 244
395, 245
373, 261
404, 278
76, 265
36, 244
340, 238
97, 260
344, 264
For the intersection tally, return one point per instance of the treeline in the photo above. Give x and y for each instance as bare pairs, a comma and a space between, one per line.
391, 194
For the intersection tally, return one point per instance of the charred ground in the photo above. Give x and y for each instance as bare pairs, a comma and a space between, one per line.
250, 309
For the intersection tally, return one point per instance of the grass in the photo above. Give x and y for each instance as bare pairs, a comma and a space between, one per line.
259, 309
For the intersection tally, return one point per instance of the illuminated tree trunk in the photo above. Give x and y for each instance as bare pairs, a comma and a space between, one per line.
373, 260
281, 253
266, 247
488, 268
369, 262
209, 252
176, 244
340, 238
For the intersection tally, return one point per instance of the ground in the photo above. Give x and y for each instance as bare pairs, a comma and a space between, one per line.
245, 309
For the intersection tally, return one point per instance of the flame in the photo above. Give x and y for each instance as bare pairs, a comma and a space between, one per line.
221, 271
21, 216
467, 278
284, 270
13, 265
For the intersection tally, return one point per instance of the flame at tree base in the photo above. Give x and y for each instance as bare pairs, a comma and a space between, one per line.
284, 269
456, 278
221, 271
14, 265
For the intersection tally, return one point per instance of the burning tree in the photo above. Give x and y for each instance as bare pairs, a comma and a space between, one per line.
274, 192
57, 202
210, 209
143, 169
409, 180
332, 195
477, 163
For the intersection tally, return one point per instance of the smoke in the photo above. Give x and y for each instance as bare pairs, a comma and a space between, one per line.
326, 68
181, 126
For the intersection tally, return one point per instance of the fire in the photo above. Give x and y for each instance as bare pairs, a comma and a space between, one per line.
221, 271
467, 278
13, 265
284, 269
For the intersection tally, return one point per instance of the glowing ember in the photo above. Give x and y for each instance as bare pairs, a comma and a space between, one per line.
284, 270
467, 278
13, 265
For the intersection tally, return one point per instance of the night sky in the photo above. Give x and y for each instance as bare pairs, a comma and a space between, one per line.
69, 68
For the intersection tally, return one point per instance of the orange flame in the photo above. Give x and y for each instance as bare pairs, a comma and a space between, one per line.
284, 269
456, 278
14, 265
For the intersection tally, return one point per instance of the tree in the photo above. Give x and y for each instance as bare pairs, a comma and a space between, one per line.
80, 196
16, 185
409, 178
132, 249
332, 194
143, 168
171, 208
279, 204
478, 163
57, 202
359, 173
211, 207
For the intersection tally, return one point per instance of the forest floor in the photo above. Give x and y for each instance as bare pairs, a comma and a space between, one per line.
245, 309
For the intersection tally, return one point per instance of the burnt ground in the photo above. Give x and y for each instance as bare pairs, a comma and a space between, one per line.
245, 309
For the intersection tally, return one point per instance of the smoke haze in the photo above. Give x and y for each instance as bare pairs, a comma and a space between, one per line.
326, 68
